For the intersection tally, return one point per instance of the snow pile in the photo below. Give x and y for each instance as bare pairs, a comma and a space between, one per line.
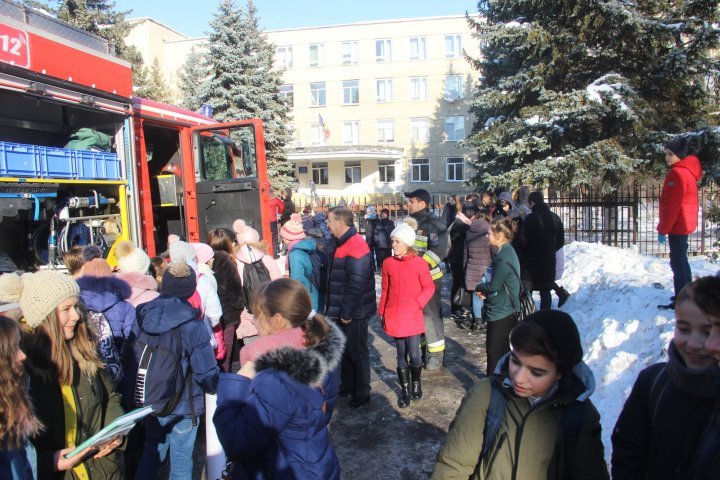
615, 293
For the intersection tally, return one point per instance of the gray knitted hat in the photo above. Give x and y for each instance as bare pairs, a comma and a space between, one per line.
42, 292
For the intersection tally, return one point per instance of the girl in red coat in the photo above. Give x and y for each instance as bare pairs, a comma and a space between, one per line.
406, 288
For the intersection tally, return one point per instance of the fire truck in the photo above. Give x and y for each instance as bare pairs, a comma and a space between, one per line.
84, 162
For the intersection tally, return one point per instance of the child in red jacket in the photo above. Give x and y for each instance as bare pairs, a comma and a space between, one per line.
406, 288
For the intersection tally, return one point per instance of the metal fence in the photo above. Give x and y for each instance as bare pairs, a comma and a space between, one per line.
629, 217
625, 218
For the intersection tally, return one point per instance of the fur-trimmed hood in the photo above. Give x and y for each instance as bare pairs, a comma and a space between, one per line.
100, 293
308, 366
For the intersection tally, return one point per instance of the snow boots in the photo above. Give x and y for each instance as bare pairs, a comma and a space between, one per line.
415, 373
404, 378
563, 295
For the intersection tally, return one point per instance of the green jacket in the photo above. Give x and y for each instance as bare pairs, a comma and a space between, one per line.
505, 279
98, 404
527, 446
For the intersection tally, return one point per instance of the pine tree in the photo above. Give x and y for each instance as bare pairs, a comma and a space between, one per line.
156, 87
101, 18
190, 80
244, 83
576, 91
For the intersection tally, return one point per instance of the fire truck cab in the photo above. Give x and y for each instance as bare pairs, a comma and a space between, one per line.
83, 162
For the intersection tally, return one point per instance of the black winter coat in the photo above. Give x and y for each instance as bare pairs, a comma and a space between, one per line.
659, 428
351, 288
477, 252
381, 233
429, 225
370, 225
229, 289
458, 231
541, 235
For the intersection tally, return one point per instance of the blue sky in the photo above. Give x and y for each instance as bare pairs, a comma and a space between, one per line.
191, 17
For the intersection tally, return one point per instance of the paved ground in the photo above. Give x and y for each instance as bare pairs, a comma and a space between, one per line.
380, 440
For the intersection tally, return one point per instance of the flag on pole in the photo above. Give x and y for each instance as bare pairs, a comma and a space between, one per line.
325, 129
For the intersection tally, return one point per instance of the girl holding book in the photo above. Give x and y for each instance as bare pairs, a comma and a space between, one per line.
72, 391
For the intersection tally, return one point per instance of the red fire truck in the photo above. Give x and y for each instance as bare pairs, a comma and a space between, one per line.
83, 162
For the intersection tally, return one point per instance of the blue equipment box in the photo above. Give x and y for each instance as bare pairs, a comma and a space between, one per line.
34, 161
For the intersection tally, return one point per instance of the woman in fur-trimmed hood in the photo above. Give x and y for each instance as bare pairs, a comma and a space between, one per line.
272, 416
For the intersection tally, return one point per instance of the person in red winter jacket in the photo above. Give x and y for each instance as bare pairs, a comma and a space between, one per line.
679, 209
277, 207
406, 287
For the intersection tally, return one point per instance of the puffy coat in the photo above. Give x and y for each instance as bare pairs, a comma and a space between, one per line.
476, 255
229, 289
527, 446
458, 232
97, 403
144, 287
275, 425
245, 256
276, 208
660, 427
166, 313
109, 295
381, 234
370, 224
542, 234
406, 287
435, 232
679, 198
301, 267
351, 286
503, 289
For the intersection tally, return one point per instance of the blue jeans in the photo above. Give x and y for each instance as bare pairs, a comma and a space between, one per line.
176, 434
682, 275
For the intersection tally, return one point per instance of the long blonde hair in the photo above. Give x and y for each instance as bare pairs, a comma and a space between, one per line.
17, 418
47, 344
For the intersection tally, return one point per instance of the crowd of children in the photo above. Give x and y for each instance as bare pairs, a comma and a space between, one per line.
74, 348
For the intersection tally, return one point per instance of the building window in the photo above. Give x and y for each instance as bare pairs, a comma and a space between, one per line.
284, 57
386, 169
317, 55
453, 46
317, 135
320, 173
349, 53
317, 94
418, 51
455, 169
384, 90
453, 87
420, 170
352, 172
351, 133
351, 92
454, 129
383, 50
418, 88
385, 131
420, 129
286, 92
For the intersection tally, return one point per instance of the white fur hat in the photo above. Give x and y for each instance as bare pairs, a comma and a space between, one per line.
132, 259
405, 234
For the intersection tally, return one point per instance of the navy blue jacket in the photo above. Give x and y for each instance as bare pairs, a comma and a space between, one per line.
166, 313
108, 295
275, 425
351, 289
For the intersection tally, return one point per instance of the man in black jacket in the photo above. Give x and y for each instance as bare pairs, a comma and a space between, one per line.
432, 243
351, 302
541, 236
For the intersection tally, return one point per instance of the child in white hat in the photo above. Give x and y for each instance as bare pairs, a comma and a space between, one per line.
406, 287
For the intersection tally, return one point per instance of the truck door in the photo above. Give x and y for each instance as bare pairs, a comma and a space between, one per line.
231, 176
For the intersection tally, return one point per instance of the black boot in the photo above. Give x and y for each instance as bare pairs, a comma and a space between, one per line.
404, 377
563, 296
416, 385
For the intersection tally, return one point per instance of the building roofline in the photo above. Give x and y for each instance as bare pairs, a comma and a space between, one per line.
153, 20
370, 22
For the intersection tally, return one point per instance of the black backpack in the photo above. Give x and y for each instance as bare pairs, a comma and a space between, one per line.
254, 274
164, 371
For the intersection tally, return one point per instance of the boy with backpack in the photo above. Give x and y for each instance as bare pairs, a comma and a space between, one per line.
176, 366
532, 419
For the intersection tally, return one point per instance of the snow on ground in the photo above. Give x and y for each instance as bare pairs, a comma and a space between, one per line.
615, 293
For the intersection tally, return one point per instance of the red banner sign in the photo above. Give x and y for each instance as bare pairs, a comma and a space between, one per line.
14, 46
